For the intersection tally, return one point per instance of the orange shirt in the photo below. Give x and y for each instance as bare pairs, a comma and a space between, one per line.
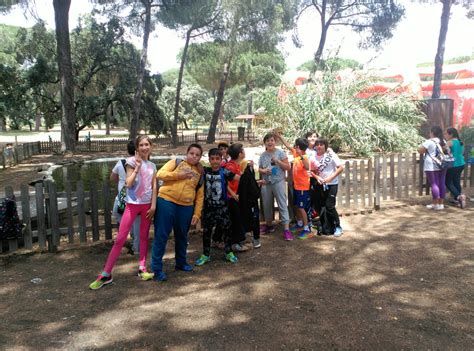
300, 174
234, 167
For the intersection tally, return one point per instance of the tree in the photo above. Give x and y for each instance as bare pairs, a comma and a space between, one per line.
443, 31
332, 63
61, 18
198, 17
248, 22
376, 19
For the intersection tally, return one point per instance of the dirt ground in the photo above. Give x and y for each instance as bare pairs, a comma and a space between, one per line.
397, 279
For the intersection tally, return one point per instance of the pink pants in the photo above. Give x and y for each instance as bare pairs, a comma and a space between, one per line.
131, 212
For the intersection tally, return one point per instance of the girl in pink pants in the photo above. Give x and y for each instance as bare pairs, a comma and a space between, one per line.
141, 195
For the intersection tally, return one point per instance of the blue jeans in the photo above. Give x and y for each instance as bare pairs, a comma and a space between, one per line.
453, 180
170, 216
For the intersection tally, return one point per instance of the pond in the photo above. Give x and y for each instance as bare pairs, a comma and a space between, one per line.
95, 170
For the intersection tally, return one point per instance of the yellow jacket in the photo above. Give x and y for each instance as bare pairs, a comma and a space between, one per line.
181, 191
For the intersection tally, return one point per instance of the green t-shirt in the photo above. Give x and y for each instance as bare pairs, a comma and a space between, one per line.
457, 150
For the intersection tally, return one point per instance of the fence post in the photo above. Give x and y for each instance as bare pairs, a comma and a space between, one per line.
414, 170
81, 212
384, 177
3, 158
347, 185
107, 217
70, 225
362, 183
94, 210
392, 176
53, 243
231, 138
399, 176
377, 182
40, 216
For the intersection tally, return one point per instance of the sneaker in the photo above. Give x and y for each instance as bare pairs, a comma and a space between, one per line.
185, 268
231, 257
439, 207
203, 259
144, 275
160, 276
240, 247
430, 207
265, 229
338, 231
100, 282
305, 234
287, 235
256, 243
462, 200
296, 228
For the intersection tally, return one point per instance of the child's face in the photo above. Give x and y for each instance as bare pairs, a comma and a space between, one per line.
270, 144
242, 154
311, 139
299, 151
215, 161
320, 148
193, 156
223, 150
144, 148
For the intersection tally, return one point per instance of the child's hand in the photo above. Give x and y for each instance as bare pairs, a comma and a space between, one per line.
185, 174
236, 197
261, 182
150, 214
194, 220
138, 161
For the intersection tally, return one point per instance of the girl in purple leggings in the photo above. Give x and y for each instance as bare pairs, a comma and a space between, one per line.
141, 195
435, 175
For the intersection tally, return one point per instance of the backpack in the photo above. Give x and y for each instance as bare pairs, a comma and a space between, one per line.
122, 195
442, 160
10, 225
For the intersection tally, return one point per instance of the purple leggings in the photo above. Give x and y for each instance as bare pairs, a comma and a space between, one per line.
437, 181
131, 212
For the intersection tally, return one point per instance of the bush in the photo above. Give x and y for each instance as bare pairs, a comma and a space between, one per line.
331, 106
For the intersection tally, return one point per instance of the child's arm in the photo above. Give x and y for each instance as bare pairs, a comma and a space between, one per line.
284, 142
171, 172
338, 171
151, 212
234, 195
198, 204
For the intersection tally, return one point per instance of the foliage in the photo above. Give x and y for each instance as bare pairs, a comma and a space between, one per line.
467, 135
454, 60
385, 122
332, 63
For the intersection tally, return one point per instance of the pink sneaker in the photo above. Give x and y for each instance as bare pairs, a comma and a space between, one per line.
265, 229
287, 235
462, 200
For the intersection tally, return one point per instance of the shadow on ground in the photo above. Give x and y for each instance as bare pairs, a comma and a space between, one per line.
397, 279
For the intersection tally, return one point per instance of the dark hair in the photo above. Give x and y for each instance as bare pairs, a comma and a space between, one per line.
302, 144
268, 136
311, 132
214, 152
223, 144
454, 133
438, 133
323, 141
235, 150
197, 146
131, 148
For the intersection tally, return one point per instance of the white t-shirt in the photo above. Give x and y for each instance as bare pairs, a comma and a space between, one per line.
119, 169
141, 191
430, 146
326, 164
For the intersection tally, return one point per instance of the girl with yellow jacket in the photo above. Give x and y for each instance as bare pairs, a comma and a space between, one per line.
179, 205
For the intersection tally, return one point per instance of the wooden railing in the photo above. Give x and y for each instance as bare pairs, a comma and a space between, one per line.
53, 219
18, 153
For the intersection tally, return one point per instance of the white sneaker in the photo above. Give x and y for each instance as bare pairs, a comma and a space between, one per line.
431, 207
439, 207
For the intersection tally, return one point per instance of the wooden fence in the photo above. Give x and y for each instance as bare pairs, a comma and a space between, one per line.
54, 218
110, 145
18, 153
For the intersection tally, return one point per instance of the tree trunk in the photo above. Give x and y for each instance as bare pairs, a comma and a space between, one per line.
135, 122
322, 39
249, 107
37, 122
174, 129
443, 31
3, 124
211, 136
108, 113
68, 114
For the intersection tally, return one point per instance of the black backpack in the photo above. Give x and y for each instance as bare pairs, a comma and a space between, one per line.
122, 195
10, 225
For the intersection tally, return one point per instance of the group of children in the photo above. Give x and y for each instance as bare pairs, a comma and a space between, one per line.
225, 194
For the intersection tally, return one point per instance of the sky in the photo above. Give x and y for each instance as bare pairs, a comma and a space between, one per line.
414, 40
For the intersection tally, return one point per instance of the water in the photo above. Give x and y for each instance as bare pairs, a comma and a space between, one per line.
96, 170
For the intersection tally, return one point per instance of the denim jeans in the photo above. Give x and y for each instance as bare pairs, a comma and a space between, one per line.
170, 216
453, 180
